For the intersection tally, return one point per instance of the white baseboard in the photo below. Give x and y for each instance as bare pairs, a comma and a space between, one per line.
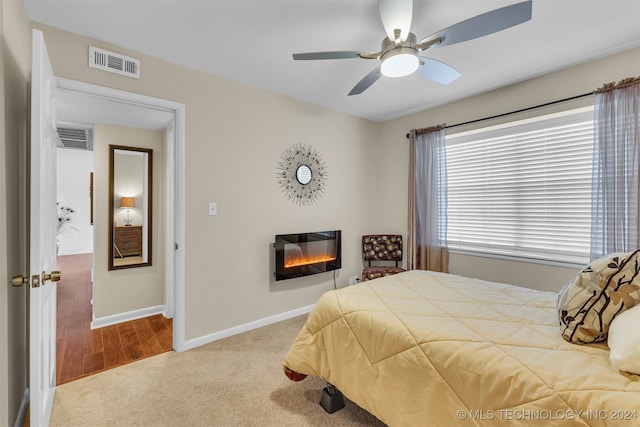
114, 319
206, 339
22, 413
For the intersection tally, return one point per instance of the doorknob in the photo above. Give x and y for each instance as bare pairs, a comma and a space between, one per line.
19, 280
54, 276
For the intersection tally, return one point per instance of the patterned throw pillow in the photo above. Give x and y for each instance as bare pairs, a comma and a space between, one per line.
604, 289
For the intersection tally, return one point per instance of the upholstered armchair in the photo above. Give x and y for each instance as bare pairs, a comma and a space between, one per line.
381, 250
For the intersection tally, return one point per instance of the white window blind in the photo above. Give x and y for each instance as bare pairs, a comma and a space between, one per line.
524, 189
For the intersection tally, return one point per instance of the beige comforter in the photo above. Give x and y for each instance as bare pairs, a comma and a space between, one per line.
430, 349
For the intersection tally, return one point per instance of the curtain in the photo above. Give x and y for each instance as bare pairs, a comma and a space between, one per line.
427, 237
614, 200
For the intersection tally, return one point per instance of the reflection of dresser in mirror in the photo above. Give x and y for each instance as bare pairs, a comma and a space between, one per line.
127, 241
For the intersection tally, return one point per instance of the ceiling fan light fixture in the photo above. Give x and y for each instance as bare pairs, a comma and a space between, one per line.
398, 55
399, 62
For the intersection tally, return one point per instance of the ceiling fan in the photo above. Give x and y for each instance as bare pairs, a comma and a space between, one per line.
400, 52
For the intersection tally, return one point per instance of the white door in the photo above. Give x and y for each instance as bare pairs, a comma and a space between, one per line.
42, 243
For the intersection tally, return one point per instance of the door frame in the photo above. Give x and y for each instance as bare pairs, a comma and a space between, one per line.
174, 197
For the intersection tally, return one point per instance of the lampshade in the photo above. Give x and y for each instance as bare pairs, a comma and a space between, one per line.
399, 62
128, 202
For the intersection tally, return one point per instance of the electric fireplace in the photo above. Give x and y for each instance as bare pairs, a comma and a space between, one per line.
303, 254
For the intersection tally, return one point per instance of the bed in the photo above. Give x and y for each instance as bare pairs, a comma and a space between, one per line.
422, 348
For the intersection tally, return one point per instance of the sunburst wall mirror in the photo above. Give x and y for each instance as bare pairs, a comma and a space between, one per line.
302, 174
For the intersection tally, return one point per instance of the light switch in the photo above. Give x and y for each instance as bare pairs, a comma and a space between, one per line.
213, 209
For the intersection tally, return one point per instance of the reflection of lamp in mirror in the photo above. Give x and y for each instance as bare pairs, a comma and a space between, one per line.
128, 203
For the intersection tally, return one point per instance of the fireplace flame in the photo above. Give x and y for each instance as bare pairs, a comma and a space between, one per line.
306, 260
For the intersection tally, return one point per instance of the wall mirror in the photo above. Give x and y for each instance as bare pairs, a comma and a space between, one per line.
130, 185
304, 174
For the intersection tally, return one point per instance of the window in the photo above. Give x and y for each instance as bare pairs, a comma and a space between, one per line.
524, 189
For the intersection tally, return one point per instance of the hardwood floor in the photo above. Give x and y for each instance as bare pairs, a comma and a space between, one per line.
82, 351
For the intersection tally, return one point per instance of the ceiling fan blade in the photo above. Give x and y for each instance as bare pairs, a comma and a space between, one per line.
326, 55
484, 24
437, 71
396, 14
367, 81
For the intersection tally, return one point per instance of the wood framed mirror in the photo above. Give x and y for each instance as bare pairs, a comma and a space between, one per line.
130, 190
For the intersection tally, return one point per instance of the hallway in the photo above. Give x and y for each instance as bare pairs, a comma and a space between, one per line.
82, 351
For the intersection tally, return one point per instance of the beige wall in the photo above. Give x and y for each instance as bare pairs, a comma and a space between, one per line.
393, 146
235, 136
537, 276
14, 74
122, 291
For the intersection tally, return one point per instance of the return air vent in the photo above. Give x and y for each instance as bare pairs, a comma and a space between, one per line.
80, 139
114, 62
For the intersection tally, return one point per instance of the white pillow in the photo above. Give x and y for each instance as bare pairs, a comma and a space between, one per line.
624, 341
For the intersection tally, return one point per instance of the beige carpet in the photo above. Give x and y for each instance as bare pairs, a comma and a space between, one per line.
237, 381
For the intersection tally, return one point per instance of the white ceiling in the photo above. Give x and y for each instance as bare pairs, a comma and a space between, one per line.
251, 41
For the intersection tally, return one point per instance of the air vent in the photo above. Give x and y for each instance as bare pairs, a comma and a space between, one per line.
80, 139
114, 62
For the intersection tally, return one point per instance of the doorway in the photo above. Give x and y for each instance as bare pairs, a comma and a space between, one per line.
81, 350
118, 340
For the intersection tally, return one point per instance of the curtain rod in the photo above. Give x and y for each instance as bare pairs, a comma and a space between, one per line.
571, 98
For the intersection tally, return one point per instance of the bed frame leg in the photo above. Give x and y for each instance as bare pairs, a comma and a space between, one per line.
331, 400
